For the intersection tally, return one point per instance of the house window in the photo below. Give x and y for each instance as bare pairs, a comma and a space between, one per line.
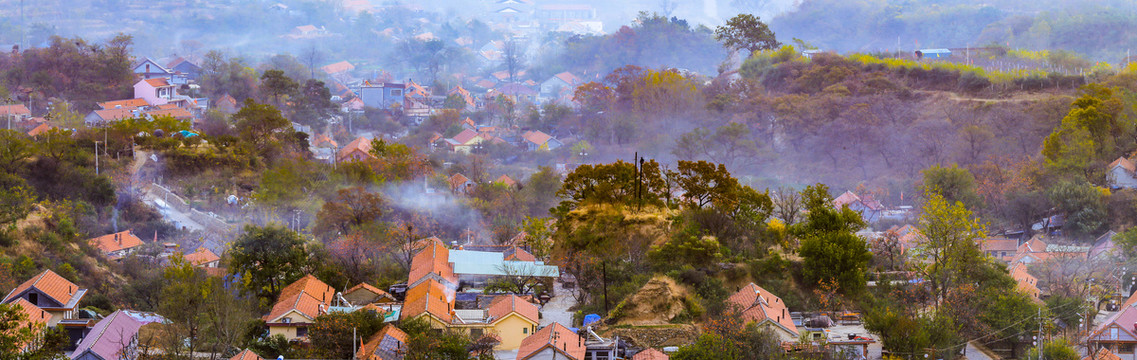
301, 331
286, 320
396, 92
33, 298
525, 330
476, 333
1125, 349
1113, 334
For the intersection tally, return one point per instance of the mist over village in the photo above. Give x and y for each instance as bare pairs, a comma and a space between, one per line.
568, 179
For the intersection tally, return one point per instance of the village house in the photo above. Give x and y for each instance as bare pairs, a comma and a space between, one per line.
1103, 246
1122, 174
298, 306
227, 104
113, 338
390, 343
150, 69
51, 293
1001, 249
357, 150
382, 96
869, 208
155, 91
106, 116
460, 184
431, 299
183, 67
117, 245
559, 83
650, 354
35, 319
539, 141
14, 113
766, 310
512, 319
553, 341
465, 142
1116, 334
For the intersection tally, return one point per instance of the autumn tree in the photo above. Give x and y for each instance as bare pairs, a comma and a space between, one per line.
746, 32
949, 232
331, 336
263, 126
351, 209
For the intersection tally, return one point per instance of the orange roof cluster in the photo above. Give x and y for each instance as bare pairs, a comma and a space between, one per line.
429, 297
309, 296
201, 256
503, 305
114, 242
556, 336
758, 305
49, 283
387, 344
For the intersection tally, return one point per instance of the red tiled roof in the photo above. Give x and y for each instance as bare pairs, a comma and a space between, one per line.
49, 283
566, 342
758, 305
125, 104
503, 305
387, 344
1103, 354
568, 78
429, 297
519, 254
34, 315
114, 242
848, 198
464, 137
201, 256
246, 355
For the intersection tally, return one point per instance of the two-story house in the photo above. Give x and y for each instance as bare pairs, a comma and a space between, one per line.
157, 91
357, 150
51, 293
765, 310
113, 338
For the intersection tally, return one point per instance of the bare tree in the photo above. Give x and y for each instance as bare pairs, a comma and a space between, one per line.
311, 57
513, 55
520, 277
787, 204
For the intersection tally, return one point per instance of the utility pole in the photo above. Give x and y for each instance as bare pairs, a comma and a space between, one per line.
96, 158
1040, 338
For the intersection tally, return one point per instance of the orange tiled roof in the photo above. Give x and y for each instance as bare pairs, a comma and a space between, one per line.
1124, 163
387, 344
301, 302
1027, 283
429, 297
505, 179
35, 315
361, 144
503, 305
464, 137
568, 78
177, 113
114, 242
42, 128
128, 103
650, 354
758, 305
158, 82
201, 256
114, 114
246, 355
311, 285
434, 259
1103, 354
457, 180
14, 109
342, 66
567, 343
49, 283
536, 137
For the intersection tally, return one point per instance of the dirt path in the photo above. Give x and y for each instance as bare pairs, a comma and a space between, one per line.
1018, 96
557, 309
